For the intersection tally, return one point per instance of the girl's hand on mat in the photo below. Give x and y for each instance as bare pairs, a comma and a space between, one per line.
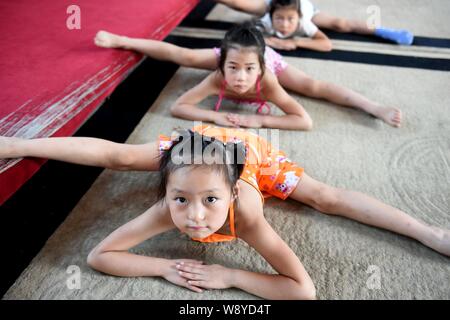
204, 276
283, 44
248, 121
172, 274
221, 119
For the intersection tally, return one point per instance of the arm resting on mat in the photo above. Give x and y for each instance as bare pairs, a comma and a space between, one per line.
111, 256
186, 106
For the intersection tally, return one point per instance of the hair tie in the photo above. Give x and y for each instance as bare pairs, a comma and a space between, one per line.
165, 143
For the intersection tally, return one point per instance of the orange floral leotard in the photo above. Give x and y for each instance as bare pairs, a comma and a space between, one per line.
266, 169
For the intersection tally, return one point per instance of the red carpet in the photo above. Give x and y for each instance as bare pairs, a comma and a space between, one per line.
52, 78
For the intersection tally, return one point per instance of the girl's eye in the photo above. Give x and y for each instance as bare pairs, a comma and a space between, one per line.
180, 200
250, 68
211, 199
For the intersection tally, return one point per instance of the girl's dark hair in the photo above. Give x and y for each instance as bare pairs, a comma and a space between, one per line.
243, 36
190, 148
277, 4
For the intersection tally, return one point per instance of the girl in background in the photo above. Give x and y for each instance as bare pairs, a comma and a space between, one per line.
291, 24
246, 71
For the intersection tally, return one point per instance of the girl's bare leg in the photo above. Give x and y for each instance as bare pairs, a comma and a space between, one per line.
326, 21
298, 81
365, 209
256, 7
84, 151
160, 50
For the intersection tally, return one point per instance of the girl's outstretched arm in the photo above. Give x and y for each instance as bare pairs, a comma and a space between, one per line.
111, 256
186, 106
292, 280
84, 151
281, 44
296, 117
319, 42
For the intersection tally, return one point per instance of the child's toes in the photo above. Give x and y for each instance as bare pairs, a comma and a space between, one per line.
397, 119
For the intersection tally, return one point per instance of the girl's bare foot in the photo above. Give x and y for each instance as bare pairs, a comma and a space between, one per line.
106, 39
7, 145
391, 116
439, 240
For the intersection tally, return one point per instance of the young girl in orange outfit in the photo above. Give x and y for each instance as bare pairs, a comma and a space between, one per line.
246, 70
212, 187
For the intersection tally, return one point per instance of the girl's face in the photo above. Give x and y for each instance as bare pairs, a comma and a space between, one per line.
241, 69
285, 21
198, 199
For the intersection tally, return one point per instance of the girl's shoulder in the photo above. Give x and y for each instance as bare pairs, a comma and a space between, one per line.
269, 82
161, 213
216, 79
269, 77
249, 207
210, 85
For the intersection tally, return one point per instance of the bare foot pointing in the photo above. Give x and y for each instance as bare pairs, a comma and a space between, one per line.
106, 39
391, 116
